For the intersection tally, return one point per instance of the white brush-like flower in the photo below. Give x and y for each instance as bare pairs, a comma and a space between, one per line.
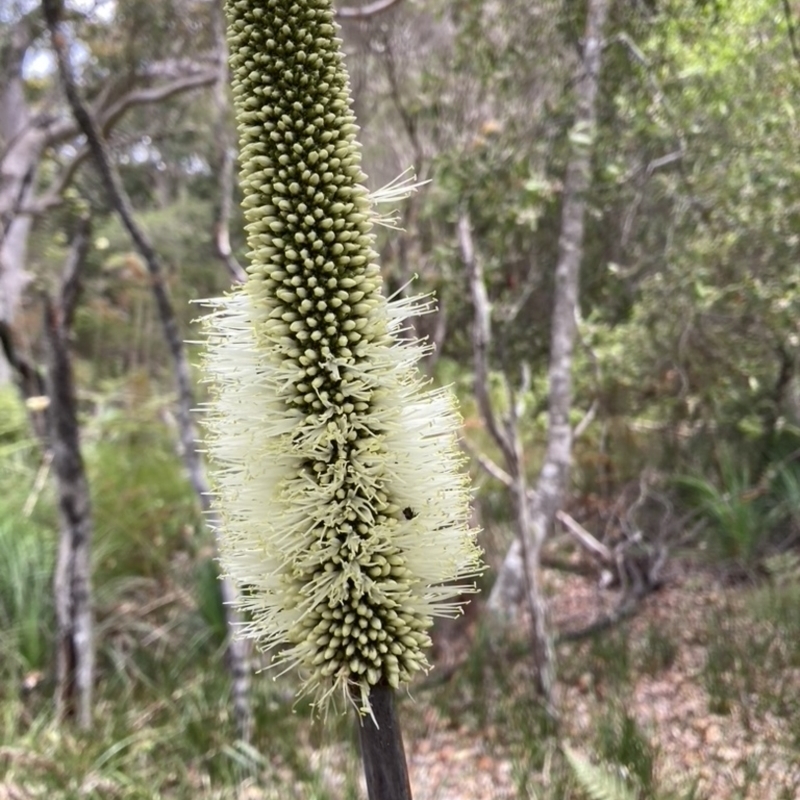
337, 471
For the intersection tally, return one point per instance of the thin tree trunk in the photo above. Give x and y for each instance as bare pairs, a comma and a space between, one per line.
544, 657
20, 148
225, 144
120, 202
508, 440
554, 476
72, 582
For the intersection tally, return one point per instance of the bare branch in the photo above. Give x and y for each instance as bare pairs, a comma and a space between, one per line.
486, 464
107, 116
629, 607
29, 379
526, 509
663, 161
530, 546
72, 578
108, 109
407, 117
226, 164
510, 443
369, 10
481, 335
554, 475
586, 540
542, 504
55, 194
586, 421
70, 289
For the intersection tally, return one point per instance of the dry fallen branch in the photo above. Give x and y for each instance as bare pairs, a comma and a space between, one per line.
585, 539
626, 609
632, 565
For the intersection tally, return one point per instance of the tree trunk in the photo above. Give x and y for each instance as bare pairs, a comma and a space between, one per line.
20, 148
508, 440
225, 146
72, 583
120, 202
509, 589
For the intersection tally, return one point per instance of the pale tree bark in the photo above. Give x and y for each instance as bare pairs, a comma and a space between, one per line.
368, 10
507, 437
21, 144
225, 144
72, 580
409, 257
548, 495
121, 204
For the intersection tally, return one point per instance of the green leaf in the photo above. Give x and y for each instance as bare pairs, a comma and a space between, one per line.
599, 782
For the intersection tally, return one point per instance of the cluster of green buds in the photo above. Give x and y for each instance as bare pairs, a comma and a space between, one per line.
336, 468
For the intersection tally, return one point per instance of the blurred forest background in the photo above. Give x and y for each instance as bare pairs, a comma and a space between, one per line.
671, 575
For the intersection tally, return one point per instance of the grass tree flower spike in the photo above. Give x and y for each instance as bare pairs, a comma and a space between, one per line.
337, 471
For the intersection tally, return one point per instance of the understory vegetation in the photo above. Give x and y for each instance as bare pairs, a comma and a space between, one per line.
163, 720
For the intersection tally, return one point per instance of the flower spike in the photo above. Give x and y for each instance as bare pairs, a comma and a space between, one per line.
337, 471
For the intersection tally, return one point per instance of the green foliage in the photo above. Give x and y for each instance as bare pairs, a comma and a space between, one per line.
695, 291
775, 606
690, 299
659, 650
600, 783
784, 489
620, 741
27, 557
740, 517
144, 509
494, 691
723, 665
27, 547
117, 330
607, 781
784, 570
13, 421
208, 596
745, 647
609, 656
168, 740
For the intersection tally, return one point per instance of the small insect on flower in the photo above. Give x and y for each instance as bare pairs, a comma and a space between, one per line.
337, 472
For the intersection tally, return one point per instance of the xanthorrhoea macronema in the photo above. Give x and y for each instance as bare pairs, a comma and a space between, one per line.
337, 472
